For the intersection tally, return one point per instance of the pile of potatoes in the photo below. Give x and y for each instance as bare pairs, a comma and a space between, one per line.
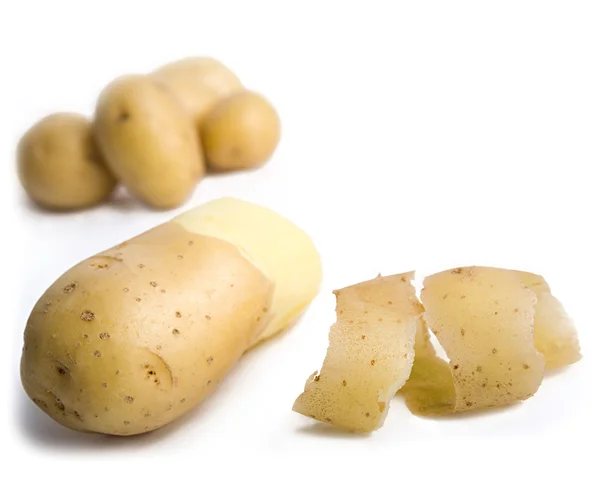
156, 133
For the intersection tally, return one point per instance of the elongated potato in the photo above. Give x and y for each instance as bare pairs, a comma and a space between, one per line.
148, 140
198, 83
370, 354
136, 336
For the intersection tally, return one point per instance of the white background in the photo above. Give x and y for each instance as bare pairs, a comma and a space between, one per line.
417, 135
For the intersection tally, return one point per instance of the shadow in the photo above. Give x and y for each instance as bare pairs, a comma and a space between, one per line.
41, 430
470, 415
222, 172
329, 431
123, 201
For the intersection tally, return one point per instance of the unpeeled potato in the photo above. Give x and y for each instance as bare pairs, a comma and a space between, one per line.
240, 132
198, 83
148, 140
60, 165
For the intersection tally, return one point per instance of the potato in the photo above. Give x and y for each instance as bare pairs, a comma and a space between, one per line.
370, 354
240, 132
149, 142
60, 166
198, 83
136, 336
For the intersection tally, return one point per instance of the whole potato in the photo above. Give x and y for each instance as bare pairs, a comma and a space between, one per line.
134, 337
60, 165
240, 132
198, 83
149, 142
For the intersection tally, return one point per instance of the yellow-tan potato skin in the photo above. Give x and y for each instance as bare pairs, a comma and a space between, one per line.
240, 132
370, 354
198, 83
484, 319
60, 166
555, 334
136, 336
149, 142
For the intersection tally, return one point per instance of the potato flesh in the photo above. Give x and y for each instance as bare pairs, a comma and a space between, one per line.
281, 250
555, 334
370, 354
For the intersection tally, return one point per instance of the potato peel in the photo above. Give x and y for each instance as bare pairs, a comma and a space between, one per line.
370, 354
500, 328
555, 333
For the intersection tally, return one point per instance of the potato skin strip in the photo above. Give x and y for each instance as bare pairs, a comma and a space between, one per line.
484, 319
370, 354
555, 333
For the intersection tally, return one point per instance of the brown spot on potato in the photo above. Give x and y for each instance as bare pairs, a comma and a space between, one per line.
163, 291
141, 266
125, 423
147, 415
209, 360
129, 399
380, 319
153, 284
117, 372
317, 378
40, 403
97, 354
468, 403
445, 296
344, 383
104, 335
179, 257
77, 415
182, 400
207, 317
372, 362
87, 316
208, 383
457, 271
62, 370
190, 243
494, 350
525, 366
69, 287
381, 406
390, 303
462, 332
138, 299
363, 337
176, 332
123, 116
479, 368
367, 414
85, 336
126, 290
455, 367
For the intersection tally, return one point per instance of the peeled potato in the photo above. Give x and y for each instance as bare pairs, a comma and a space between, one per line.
371, 349
136, 336
240, 132
60, 165
198, 83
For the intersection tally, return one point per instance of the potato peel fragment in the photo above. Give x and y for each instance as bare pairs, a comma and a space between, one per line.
555, 333
370, 354
501, 329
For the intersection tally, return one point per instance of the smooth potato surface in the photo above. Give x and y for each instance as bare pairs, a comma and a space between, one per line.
198, 83
240, 132
60, 165
148, 140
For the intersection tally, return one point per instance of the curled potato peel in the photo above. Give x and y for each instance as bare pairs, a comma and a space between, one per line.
371, 348
501, 329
